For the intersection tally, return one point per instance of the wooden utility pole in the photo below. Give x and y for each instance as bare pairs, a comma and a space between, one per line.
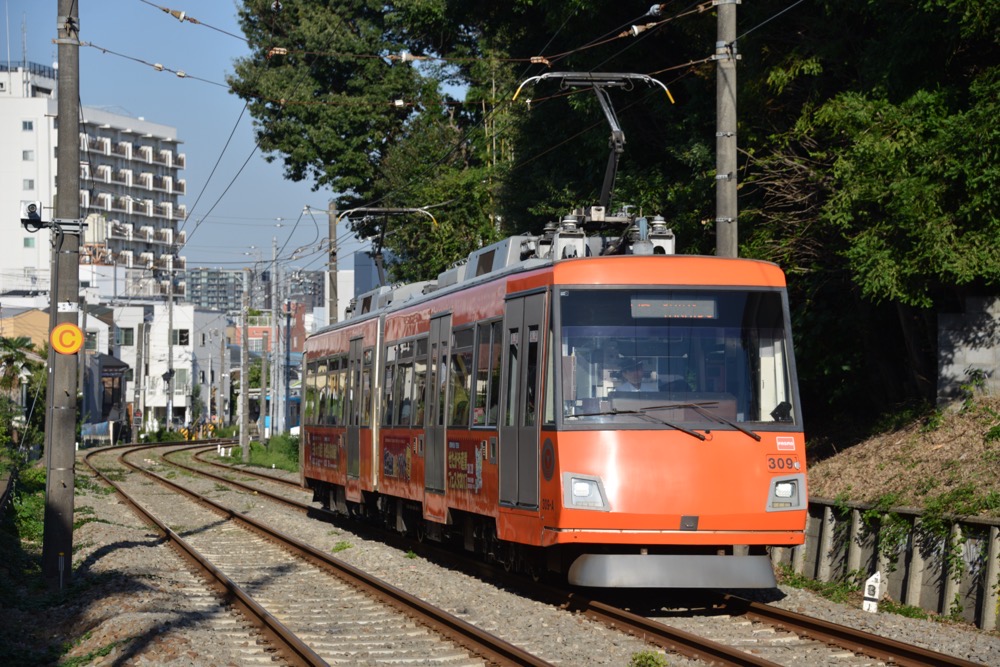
64, 307
726, 230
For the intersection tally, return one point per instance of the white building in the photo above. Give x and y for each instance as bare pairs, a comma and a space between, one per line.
141, 341
129, 187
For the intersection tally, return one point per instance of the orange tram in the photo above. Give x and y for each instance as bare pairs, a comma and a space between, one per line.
600, 408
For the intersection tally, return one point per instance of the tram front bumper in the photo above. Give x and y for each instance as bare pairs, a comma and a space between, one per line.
671, 571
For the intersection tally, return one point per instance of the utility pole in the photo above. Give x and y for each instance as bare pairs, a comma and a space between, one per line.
331, 271
726, 230
245, 373
264, 370
60, 454
272, 411
138, 379
223, 370
285, 413
170, 351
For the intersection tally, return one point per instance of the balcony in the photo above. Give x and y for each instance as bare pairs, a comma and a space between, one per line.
118, 230
146, 180
103, 173
126, 258
146, 234
122, 176
146, 259
181, 161
123, 149
181, 237
180, 187
146, 154
100, 145
165, 235
163, 183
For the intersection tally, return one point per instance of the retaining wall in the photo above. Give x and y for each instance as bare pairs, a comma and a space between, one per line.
953, 574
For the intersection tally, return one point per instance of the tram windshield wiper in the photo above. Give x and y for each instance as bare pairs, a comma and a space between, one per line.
642, 414
700, 409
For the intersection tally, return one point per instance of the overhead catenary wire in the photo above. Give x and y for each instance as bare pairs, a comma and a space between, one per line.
593, 43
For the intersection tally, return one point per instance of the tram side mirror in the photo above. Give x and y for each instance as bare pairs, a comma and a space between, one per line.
783, 412
31, 215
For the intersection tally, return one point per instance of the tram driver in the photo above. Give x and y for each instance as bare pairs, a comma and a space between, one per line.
630, 377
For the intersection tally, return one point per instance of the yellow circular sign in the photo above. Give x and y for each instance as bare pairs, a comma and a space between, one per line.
66, 338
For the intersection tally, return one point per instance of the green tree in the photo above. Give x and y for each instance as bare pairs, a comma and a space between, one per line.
16, 370
13, 361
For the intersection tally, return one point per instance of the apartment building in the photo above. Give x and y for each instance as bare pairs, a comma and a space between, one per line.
130, 184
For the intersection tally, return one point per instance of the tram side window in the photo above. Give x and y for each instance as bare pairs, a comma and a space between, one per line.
387, 385
338, 391
419, 384
366, 388
403, 387
531, 398
309, 404
550, 397
488, 348
322, 393
461, 378
442, 382
510, 415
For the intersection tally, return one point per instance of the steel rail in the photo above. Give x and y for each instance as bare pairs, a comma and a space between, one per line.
691, 645
271, 478
286, 642
488, 646
859, 641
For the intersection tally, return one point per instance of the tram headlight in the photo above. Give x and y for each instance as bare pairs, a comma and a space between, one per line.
584, 491
784, 489
787, 493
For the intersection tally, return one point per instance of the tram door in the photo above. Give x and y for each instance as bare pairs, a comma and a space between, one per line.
519, 408
355, 359
437, 401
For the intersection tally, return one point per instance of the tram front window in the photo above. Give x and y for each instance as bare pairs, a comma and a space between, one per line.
629, 354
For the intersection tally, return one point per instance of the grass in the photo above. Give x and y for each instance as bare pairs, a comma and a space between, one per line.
843, 591
282, 453
340, 546
648, 659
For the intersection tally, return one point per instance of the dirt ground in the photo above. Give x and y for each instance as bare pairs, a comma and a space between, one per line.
953, 458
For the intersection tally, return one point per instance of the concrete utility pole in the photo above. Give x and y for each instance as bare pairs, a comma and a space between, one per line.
138, 404
331, 270
726, 230
286, 412
264, 370
60, 454
245, 372
223, 371
272, 410
170, 351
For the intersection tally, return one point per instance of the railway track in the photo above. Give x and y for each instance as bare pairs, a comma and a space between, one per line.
768, 635
312, 609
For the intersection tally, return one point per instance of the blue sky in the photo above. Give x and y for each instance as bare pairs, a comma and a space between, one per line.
241, 219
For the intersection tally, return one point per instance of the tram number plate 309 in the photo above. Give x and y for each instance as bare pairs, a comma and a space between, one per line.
781, 463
